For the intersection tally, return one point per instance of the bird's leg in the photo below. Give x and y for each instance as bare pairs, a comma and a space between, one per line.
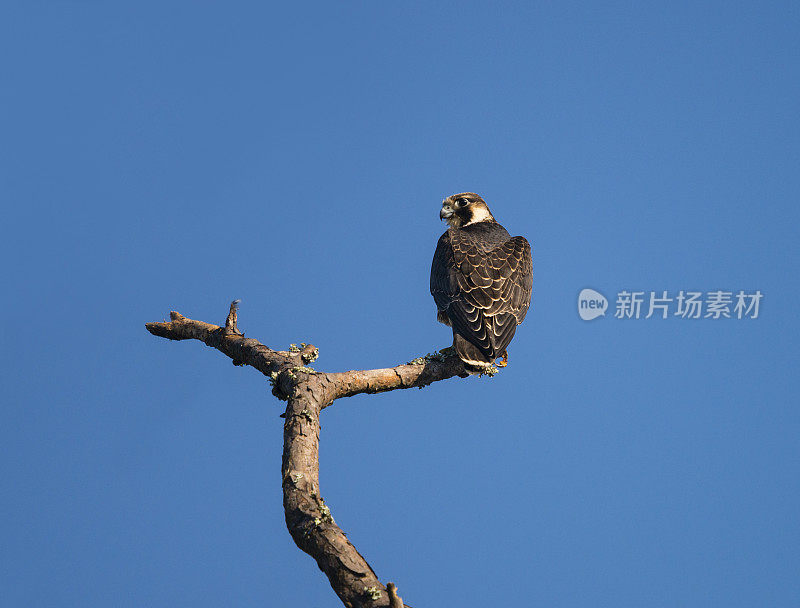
504, 361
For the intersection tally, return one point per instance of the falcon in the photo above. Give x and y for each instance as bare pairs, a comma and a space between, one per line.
481, 280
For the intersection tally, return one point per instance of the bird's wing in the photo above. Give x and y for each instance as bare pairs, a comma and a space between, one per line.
486, 294
444, 286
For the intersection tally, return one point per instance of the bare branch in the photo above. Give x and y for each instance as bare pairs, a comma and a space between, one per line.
230, 322
308, 519
228, 340
395, 601
417, 374
308, 392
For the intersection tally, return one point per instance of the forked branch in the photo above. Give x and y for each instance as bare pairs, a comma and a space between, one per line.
308, 392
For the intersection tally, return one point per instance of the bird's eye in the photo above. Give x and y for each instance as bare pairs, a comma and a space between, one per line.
462, 202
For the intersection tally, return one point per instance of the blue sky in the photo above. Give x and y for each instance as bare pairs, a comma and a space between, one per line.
176, 156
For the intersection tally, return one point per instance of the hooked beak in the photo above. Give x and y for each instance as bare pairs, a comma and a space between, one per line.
446, 212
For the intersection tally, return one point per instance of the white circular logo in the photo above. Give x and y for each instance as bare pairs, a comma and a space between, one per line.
591, 304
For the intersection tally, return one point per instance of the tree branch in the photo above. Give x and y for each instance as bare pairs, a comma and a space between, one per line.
308, 392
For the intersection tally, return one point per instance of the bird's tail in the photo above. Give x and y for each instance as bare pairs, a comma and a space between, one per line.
475, 361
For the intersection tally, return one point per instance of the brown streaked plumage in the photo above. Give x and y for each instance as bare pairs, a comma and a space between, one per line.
481, 280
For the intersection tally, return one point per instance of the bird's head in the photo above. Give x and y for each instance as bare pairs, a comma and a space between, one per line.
464, 209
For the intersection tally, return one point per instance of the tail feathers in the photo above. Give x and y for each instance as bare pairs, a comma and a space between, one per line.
475, 361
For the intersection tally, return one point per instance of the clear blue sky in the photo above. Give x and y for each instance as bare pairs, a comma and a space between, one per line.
174, 156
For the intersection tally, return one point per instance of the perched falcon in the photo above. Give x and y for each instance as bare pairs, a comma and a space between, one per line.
481, 280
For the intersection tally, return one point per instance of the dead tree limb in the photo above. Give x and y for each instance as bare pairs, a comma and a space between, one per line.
307, 392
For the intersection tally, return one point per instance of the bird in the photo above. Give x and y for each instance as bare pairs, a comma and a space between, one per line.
481, 281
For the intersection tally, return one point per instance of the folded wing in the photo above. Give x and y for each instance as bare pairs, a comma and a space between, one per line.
485, 293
